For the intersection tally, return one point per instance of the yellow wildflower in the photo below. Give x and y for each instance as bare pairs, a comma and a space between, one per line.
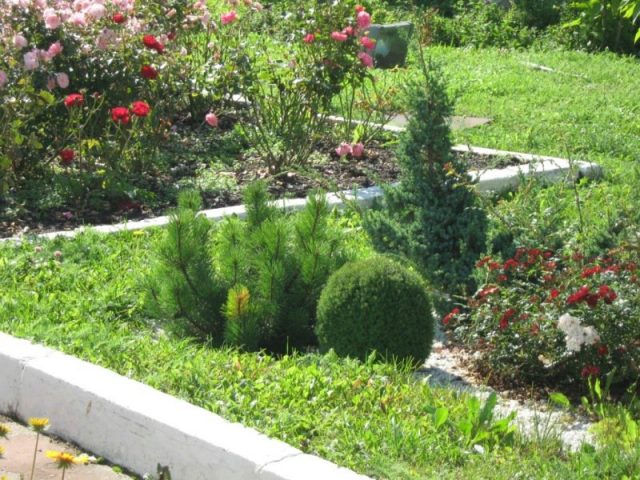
39, 424
1, 451
66, 460
4, 430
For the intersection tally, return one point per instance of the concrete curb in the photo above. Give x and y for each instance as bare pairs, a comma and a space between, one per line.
487, 181
136, 426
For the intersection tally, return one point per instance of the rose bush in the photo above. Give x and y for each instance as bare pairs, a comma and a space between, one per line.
545, 318
97, 57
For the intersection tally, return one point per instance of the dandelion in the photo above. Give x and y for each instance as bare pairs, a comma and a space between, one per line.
66, 460
1, 451
4, 430
39, 424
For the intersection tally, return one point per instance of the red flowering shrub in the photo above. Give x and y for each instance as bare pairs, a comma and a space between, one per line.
547, 318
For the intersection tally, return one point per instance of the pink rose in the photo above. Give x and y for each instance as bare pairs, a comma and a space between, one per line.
343, 149
363, 19
357, 149
339, 36
78, 19
30, 60
96, 11
365, 59
62, 79
3, 79
211, 119
228, 17
348, 30
367, 43
309, 38
19, 41
51, 18
54, 49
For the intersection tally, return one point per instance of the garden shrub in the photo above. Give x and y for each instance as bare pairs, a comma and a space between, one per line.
376, 304
290, 81
479, 24
433, 216
258, 280
546, 317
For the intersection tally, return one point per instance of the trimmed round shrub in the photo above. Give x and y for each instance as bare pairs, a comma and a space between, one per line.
376, 304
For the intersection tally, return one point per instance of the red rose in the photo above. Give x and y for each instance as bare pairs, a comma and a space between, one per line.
120, 115
148, 72
66, 156
590, 371
153, 43
140, 109
118, 17
74, 100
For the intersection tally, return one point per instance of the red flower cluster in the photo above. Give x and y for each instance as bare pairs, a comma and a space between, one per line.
148, 72
74, 100
123, 114
120, 115
66, 156
583, 294
591, 271
153, 43
118, 18
449, 316
590, 371
140, 109
506, 316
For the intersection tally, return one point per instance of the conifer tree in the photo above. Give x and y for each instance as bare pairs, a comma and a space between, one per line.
432, 217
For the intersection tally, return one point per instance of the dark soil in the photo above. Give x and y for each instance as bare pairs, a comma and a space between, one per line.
330, 173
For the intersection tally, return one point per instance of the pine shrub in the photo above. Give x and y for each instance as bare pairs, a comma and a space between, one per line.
376, 304
253, 283
433, 216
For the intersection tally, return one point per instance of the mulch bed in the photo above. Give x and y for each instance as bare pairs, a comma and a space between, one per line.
377, 167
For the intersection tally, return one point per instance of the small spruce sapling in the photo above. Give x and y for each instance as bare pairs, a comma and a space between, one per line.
433, 217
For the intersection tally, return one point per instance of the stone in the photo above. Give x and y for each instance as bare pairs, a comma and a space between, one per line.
392, 43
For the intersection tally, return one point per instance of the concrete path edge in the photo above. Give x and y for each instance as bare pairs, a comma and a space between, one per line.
138, 427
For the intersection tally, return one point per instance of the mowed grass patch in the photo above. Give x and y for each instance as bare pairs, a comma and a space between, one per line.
586, 108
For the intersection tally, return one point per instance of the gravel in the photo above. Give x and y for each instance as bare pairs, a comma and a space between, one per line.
535, 419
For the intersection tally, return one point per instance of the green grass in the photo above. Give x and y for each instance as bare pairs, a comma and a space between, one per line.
586, 109
374, 417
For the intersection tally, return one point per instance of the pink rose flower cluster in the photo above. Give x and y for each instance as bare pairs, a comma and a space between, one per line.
362, 22
356, 150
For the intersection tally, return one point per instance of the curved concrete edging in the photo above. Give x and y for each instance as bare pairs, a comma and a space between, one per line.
138, 427
487, 181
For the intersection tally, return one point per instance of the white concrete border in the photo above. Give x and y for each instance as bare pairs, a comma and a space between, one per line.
137, 427
552, 169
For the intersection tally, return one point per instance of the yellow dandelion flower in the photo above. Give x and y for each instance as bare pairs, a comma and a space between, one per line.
66, 460
1, 451
39, 423
4, 430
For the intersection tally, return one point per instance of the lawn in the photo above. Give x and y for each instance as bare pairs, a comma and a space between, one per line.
84, 297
